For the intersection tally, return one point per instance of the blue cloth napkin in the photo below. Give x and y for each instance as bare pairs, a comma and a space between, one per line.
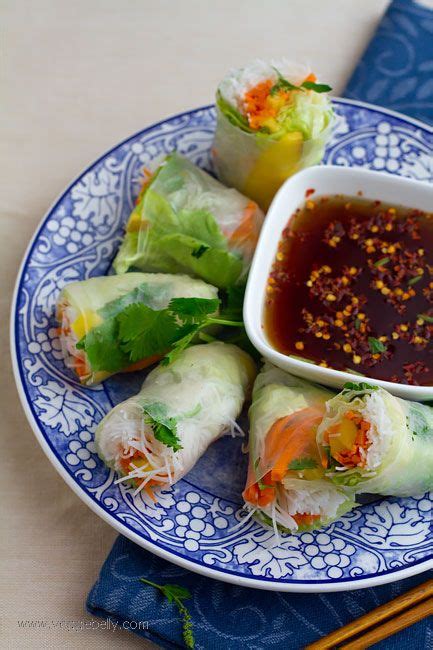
396, 71
226, 617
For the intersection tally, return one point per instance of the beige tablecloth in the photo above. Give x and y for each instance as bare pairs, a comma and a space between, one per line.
77, 77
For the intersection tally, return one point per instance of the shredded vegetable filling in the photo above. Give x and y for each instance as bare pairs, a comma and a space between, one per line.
349, 441
289, 440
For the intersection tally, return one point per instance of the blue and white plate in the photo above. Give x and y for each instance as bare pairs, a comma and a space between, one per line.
194, 524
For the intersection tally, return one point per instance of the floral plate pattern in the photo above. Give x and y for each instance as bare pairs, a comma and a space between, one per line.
198, 523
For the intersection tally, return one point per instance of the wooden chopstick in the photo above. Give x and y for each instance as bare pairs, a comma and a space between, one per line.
400, 622
406, 603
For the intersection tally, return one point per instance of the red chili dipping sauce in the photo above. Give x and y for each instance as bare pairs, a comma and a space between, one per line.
351, 288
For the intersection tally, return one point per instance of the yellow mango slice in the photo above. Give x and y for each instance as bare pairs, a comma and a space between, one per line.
276, 163
344, 438
313, 474
85, 322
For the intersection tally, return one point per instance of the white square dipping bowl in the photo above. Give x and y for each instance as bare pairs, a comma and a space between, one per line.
326, 180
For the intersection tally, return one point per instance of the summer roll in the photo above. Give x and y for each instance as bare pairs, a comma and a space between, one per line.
286, 483
185, 221
115, 323
273, 119
154, 438
374, 442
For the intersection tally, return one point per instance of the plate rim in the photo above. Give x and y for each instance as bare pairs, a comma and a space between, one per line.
225, 575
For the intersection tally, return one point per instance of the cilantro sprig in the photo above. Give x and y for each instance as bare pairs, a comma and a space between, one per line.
362, 387
138, 332
284, 84
177, 594
164, 427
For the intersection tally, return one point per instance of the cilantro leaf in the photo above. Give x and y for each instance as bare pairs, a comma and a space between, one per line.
102, 348
172, 592
302, 463
318, 88
164, 427
176, 594
282, 84
193, 309
376, 346
144, 332
361, 387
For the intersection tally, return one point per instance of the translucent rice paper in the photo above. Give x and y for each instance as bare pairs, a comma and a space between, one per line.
85, 305
204, 389
256, 163
186, 221
400, 458
276, 395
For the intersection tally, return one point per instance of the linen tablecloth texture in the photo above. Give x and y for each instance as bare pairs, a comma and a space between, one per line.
395, 71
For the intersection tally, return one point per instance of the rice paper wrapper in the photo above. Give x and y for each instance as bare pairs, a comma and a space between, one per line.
92, 305
203, 390
186, 221
400, 459
256, 164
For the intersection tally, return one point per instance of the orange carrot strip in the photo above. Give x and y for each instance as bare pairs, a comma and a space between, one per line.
247, 233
